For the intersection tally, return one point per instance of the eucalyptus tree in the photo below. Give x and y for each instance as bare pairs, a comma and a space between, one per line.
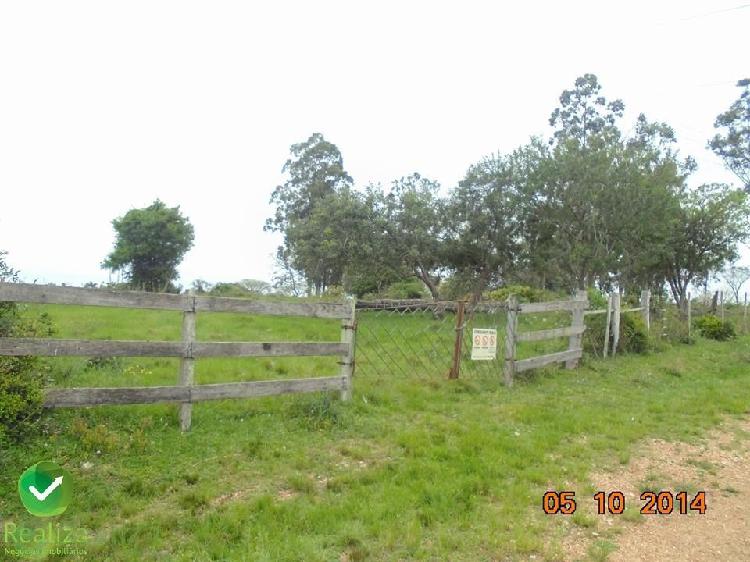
315, 178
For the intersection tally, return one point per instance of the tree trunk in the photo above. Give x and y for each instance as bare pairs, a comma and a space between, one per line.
484, 277
427, 280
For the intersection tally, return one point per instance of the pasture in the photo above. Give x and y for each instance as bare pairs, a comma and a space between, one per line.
414, 467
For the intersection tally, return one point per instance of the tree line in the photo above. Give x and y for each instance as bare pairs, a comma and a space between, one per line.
587, 207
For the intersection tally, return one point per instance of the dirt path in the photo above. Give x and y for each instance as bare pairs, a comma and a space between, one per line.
719, 465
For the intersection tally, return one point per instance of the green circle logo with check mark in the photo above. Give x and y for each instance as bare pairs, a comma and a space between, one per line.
45, 489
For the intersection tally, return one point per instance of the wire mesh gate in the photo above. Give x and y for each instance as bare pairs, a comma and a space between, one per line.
418, 338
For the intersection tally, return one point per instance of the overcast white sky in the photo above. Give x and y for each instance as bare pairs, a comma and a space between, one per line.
106, 106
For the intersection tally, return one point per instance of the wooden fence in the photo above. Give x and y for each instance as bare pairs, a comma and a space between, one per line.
188, 349
575, 333
614, 311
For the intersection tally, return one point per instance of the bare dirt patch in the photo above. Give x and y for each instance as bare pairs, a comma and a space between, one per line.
718, 465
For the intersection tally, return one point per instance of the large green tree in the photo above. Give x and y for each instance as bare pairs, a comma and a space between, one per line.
151, 242
413, 214
713, 220
576, 187
315, 178
602, 205
483, 224
732, 143
651, 176
334, 241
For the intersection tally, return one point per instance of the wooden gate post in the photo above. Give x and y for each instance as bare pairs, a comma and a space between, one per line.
187, 363
615, 322
607, 324
509, 367
458, 344
645, 308
348, 329
574, 342
690, 314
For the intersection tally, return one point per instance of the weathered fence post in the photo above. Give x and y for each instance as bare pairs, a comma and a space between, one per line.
348, 328
187, 363
607, 324
744, 314
458, 344
721, 303
689, 314
574, 342
509, 367
615, 322
645, 308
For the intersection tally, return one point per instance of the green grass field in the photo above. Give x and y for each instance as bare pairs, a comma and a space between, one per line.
412, 468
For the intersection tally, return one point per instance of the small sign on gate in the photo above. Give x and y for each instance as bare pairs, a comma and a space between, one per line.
484, 344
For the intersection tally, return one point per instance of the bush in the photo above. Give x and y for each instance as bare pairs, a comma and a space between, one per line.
409, 289
596, 299
633, 335
714, 328
21, 378
334, 292
234, 290
523, 292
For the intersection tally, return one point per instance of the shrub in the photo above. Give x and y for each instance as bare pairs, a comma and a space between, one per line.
20, 397
596, 299
714, 328
408, 289
229, 290
633, 335
523, 292
334, 292
21, 378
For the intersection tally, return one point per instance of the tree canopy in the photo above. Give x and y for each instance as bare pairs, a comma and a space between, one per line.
732, 143
150, 244
315, 179
588, 206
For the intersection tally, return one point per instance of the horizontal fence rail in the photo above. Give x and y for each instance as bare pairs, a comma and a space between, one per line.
188, 349
549, 334
541, 360
72, 397
114, 348
551, 306
49, 294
